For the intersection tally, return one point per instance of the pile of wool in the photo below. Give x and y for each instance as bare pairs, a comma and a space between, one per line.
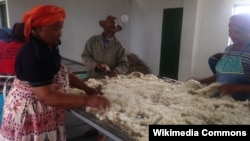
140, 100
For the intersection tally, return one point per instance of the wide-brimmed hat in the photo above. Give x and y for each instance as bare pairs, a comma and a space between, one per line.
110, 24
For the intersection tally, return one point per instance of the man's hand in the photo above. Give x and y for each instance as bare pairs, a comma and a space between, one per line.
101, 67
112, 73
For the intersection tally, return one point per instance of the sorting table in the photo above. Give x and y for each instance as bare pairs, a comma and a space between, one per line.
105, 128
111, 131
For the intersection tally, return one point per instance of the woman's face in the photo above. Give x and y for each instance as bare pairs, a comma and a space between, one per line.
237, 34
51, 34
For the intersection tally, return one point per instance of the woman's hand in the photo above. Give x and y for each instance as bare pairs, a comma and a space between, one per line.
226, 88
98, 102
231, 88
92, 91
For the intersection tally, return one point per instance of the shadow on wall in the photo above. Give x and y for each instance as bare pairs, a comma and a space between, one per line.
136, 64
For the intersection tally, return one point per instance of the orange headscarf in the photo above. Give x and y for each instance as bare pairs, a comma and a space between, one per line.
42, 15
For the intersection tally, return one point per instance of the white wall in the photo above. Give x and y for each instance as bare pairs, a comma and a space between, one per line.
146, 29
188, 38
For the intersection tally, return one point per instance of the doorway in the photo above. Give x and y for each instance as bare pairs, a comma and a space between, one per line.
170, 42
3, 15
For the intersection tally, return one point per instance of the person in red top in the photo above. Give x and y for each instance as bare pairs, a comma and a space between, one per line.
8, 57
2, 46
11, 49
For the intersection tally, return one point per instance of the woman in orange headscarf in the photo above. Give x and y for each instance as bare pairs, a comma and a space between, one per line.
34, 108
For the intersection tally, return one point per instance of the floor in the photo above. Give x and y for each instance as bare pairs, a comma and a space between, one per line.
75, 129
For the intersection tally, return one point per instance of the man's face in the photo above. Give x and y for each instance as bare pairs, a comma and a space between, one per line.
112, 25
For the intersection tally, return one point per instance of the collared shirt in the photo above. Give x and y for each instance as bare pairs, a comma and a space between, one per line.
111, 53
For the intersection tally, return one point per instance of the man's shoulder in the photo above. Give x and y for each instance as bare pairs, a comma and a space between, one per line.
95, 37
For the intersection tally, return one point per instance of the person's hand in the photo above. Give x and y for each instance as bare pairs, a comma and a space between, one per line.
98, 102
100, 67
93, 91
112, 73
226, 89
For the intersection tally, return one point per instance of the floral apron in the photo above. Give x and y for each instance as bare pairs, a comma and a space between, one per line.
26, 119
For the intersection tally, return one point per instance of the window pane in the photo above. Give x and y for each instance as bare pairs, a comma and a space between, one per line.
242, 9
